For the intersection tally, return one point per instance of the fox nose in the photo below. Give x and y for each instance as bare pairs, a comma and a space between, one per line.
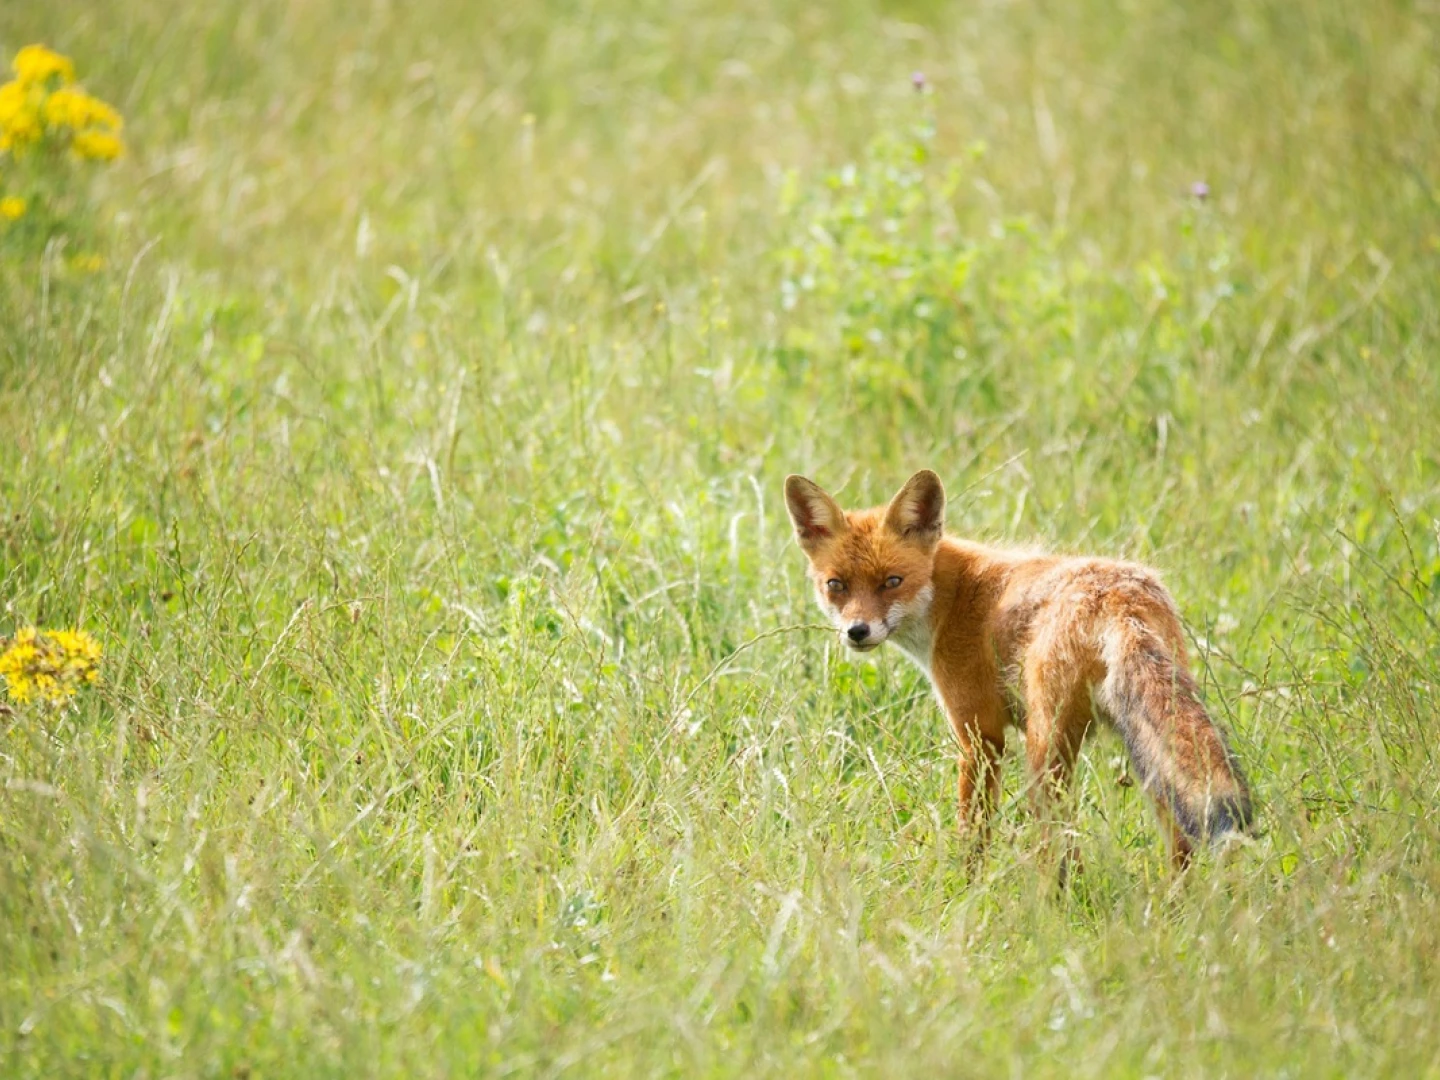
858, 632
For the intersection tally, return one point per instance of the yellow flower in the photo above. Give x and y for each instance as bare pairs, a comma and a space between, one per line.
37, 65
40, 105
97, 146
103, 115
14, 98
88, 262
49, 665
66, 108
12, 207
75, 109
19, 117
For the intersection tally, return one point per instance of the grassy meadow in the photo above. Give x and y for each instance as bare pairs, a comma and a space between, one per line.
405, 415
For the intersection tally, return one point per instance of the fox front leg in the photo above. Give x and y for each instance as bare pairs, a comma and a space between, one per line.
970, 695
979, 787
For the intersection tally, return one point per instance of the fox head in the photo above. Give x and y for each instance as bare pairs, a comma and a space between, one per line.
871, 568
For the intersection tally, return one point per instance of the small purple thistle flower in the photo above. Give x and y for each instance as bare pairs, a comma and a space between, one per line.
1200, 190
917, 80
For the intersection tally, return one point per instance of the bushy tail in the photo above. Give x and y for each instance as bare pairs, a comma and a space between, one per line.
1179, 754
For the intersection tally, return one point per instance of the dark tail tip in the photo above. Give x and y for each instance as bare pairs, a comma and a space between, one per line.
1231, 815
1215, 818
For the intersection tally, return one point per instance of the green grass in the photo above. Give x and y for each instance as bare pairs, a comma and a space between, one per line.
416, 457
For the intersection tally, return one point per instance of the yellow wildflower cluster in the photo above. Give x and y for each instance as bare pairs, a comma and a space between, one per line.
37, 64
48, 665
41, 106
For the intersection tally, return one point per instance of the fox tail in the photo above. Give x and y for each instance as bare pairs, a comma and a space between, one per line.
1178, 752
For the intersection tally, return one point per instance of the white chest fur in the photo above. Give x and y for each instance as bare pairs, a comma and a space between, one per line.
909, 626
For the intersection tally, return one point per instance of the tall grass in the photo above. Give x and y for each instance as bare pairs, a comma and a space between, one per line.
416, 454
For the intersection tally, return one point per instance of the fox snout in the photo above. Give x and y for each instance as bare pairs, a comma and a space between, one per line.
863, 636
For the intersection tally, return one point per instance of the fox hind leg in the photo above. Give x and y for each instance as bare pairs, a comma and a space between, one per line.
1181, 849
1055, 727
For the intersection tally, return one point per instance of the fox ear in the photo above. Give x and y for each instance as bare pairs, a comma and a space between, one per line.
817, 517
918, 511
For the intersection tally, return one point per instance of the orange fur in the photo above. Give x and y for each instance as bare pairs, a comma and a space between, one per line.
1041, 642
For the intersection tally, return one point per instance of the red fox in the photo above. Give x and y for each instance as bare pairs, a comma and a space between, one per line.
1044, 642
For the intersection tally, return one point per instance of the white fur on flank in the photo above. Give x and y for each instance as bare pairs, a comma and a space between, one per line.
908, 625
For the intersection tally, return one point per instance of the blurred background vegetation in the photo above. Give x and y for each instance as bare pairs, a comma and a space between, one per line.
404, 413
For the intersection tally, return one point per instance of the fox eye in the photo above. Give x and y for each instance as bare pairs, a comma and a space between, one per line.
892, 582
835, 585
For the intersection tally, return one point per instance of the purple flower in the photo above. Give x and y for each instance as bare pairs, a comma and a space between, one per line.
1200, 190
917, 80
